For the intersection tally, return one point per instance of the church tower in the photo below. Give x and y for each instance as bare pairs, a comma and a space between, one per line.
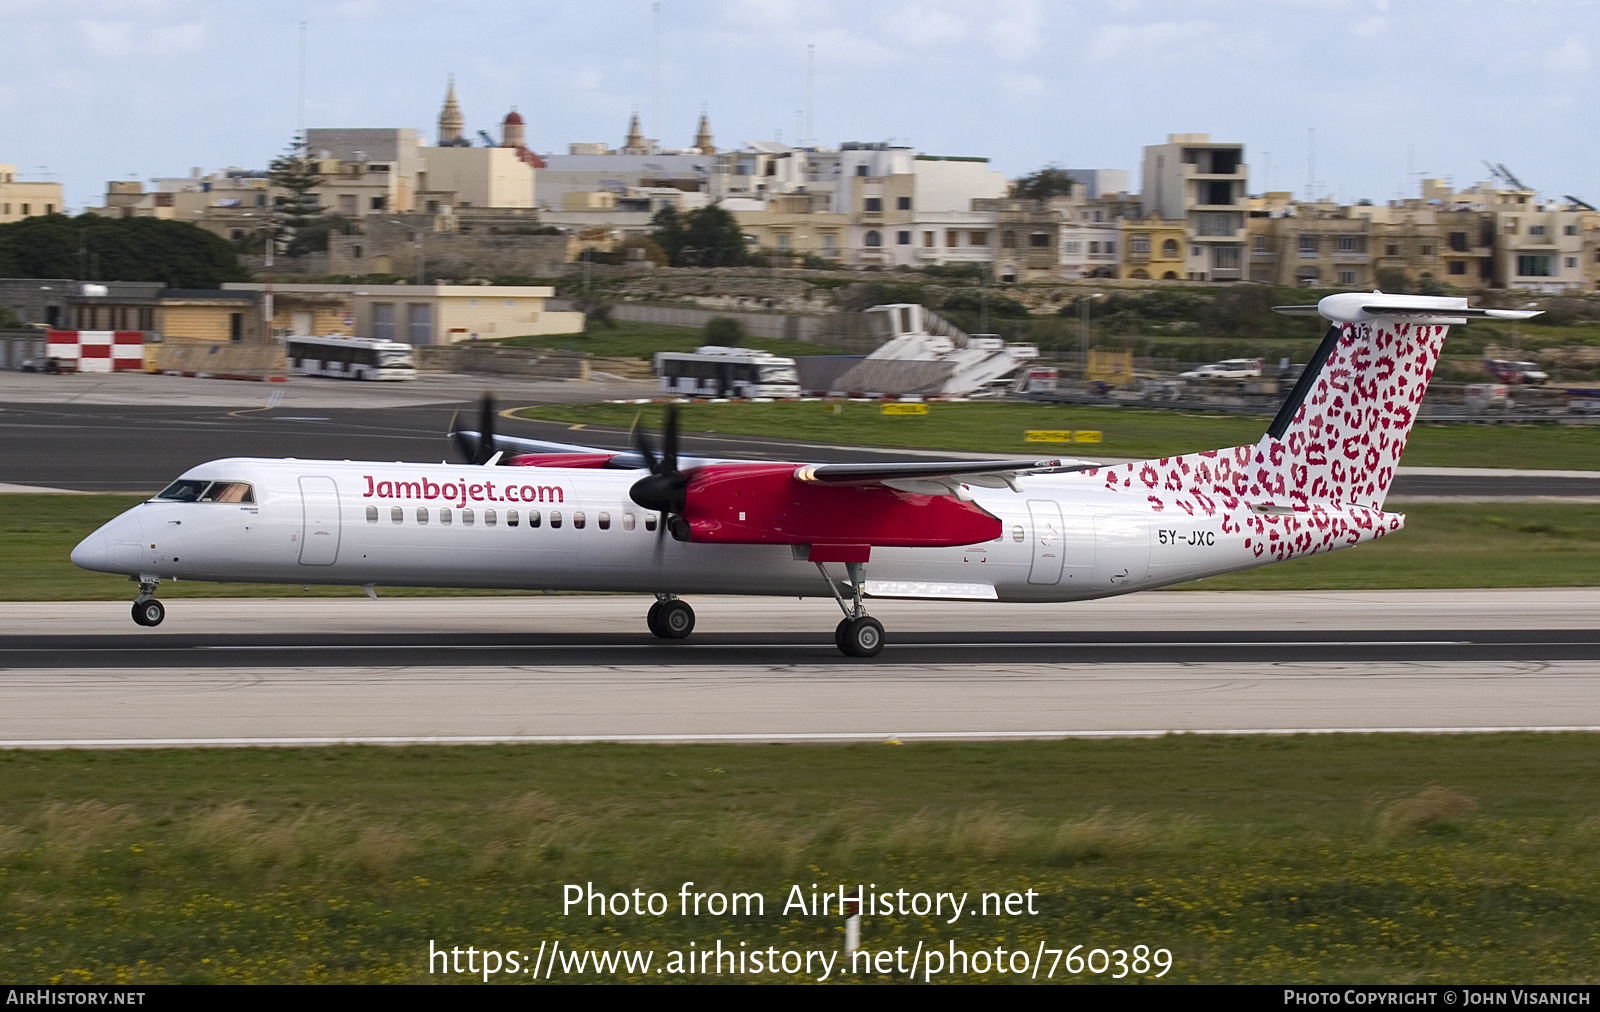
450, 119
702, 137
634, 145
511, 130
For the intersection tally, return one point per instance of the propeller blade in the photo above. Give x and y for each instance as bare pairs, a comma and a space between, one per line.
669, 440
486, 417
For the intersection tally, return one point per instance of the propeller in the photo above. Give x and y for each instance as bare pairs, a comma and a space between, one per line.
665, 490
480, 450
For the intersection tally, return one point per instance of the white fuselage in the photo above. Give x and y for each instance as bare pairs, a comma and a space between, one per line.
1064, 537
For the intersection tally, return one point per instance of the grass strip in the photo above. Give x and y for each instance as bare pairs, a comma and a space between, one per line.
1443, 545
999, 428
1340, 858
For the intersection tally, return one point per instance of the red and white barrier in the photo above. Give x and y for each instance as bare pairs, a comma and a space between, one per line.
98, 350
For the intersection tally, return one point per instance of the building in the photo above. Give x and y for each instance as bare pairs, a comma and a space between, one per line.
419, 314
1153, 248
216, 315
42, 301
1206, 184
20, 199
1312, 246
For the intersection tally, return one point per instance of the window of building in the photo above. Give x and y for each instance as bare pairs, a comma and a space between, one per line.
830, 242
27, 208
1111, 247
1258, 244
1308, 245
927, 240
379, 202
1458, 241
861, 170
1197, 251
1347, 244
1072, 246
1094, 247
873, 205
902, 238
783, 240
1536, 230
1458, 267
1510, 227
1427, 251
1008, 239
1225, 257
1217, 222
1569, 230
872, 238
1391, 250
1169, 248
1347, 277
902, 203
236, 326
1139, 243
1533, 266
978, 238
1041, 240
1572, 261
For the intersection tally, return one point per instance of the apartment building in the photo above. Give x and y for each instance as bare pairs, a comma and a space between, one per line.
1153, 248
1206, 184
21, 199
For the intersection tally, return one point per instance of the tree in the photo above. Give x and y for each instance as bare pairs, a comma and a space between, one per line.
723, 330
92, 248
707, 235
1048, 182
298, 208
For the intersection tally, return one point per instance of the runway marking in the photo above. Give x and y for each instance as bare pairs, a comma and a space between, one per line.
671, 739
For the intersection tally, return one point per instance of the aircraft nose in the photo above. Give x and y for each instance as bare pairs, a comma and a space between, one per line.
93, 552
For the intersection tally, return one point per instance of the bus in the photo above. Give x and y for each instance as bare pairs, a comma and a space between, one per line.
715, 371
350, 358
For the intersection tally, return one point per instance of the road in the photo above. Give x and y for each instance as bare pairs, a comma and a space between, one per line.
576, 668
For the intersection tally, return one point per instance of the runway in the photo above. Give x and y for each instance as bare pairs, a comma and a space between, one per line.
576, 669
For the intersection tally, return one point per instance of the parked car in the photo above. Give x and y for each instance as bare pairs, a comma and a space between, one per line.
1506, 371
1232, 368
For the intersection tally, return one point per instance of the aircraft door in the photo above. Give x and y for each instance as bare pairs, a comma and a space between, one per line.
1048, 542
319, 531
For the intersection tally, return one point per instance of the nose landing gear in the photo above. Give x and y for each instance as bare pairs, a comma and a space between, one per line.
858, 634
147, 611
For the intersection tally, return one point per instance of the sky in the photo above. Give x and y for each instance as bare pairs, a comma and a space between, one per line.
95, 90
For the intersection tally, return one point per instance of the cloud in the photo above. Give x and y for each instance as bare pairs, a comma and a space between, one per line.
1113, 41
107, 38
1371, 27
117, 39
1015, 34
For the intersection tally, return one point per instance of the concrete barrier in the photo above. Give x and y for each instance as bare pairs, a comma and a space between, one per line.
540, 363
213, 360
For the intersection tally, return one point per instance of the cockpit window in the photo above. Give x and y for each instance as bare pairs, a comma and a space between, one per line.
191, 490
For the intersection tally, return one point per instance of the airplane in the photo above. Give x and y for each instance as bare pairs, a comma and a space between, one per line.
534, 515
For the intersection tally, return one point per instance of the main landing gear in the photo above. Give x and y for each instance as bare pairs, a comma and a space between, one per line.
670, 618
858, 634
147, 611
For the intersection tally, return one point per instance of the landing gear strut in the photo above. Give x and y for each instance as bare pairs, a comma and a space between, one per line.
147, 611
858, 634
670, 618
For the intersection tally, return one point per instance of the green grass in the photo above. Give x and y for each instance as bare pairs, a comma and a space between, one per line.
1345, 858
642, 340
1128, 432
1443, 545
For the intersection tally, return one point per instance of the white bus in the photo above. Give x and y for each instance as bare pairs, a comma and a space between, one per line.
715, 371
350, 358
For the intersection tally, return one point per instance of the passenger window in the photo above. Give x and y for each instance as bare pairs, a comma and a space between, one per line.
604, 521
488, 518
627, 521
555, 518
511, 518
372, 514
444, 517
1016, 533
466, 518
577, 520
422, 515
533, 518
397, 515
649, 521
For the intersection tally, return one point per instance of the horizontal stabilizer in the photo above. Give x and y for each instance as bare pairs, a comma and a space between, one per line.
1435, 310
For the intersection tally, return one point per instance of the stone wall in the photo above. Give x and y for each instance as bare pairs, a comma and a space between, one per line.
469, 357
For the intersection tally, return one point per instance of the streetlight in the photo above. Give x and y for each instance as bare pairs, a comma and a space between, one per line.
1083, 327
